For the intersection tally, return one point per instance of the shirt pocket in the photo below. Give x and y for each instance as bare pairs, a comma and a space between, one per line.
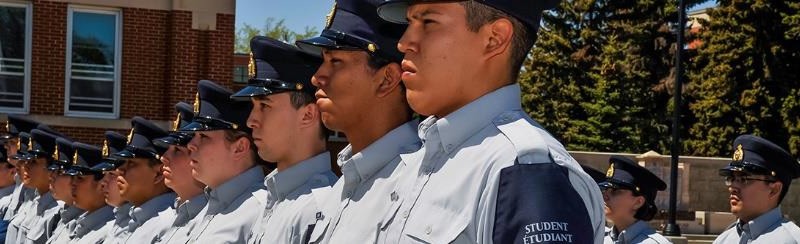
434, 224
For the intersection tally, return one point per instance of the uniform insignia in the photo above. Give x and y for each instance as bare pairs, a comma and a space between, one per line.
371, 47
130, 136
610, 171
738, 155
8, 126
177, 122
196, 103
329, 17
105, 148
55, 153
75, 158
298, 86
19, 144
30, 144
251, 67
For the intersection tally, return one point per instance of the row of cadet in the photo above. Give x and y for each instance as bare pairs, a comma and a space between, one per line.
477, 169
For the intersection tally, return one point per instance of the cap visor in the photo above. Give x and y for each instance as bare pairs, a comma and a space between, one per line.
394, 11
105, 166
194, 126
315, 45
250, 91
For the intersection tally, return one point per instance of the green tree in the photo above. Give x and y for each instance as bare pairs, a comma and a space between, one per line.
745, 76
272, 28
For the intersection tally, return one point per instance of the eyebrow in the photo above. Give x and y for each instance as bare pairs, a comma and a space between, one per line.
426, 12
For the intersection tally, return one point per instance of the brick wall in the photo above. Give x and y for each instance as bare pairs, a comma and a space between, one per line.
144, 63
48, 57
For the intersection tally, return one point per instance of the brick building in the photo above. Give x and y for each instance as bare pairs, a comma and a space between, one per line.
85, 66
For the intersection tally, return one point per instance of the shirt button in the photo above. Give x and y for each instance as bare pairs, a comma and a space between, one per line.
405, 214
428, 230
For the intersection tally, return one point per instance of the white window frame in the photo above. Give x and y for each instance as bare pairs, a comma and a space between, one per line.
26, 100
117, 62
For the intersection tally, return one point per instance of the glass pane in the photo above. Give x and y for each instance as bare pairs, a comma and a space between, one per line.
92, 70
240, 74
12, 57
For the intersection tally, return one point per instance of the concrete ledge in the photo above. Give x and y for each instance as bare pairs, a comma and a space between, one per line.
86, 122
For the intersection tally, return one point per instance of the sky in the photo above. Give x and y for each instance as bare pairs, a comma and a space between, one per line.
297, 13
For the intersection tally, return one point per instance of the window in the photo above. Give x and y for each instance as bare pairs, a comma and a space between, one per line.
93, 63
240, 74
15, 46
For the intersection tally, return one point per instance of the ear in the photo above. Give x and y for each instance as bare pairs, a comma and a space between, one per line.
241, 148
639, 202
391, 79
498, 37
775, 190
309, 115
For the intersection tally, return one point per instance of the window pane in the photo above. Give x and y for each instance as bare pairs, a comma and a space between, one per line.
92, 74
240, 74
12, 57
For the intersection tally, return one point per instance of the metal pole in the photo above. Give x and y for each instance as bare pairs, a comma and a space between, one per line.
672, 228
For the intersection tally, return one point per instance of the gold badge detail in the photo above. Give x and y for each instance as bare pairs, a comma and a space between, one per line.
130, 136
196, 103
55, 154
105, 148
30, 144
738, 155
329, 17
177, 122
19, 144
610, 171
371, 47
251, 67
75, 158
298, 86
8, 126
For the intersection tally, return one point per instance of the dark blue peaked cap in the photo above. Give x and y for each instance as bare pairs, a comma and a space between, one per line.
529, 12
277, 67
114, 142
596, 175
625, 173
140, 139
86, 157
16, 124
175, 137
22, 147
42, 144
3, 155
63, 155
214, 110
355, 25
756, 155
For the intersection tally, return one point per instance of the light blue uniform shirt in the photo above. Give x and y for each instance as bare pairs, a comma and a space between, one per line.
455, 177
92, 228
37, 227
68, 216
184, 220
151, 218
361, 202
117, 229
17, 211
232, 209
638, 232
769, 228
294, 200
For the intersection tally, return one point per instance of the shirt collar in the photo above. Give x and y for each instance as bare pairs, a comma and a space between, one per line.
631, 232
69, 213
461, 124
228, 191
5, 191
283, 183
757, 226
45, 202
190, 208
90, 221
364, 164
152, 207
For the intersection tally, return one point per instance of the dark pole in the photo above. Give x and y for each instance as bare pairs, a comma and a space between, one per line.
672, 228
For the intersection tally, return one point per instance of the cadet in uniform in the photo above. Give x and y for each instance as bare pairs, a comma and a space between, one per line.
91, 226
758, 179
114, 143
224, 158
7, 186
31, 228
16, 125
142, 184
629, 192
61, 188
361, 95
487, 173
22, 197
288, 131
178, 176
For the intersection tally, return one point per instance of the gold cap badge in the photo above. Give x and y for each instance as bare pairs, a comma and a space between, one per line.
298, 86
30, 144
177, 122
610, 171
130, 136
329, 17
8, 126
55, 154
738, 155
75, 157
196, 103
371, 47
105, 148
19, 144
251, 67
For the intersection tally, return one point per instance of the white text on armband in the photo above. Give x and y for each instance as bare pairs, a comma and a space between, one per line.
547, 232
